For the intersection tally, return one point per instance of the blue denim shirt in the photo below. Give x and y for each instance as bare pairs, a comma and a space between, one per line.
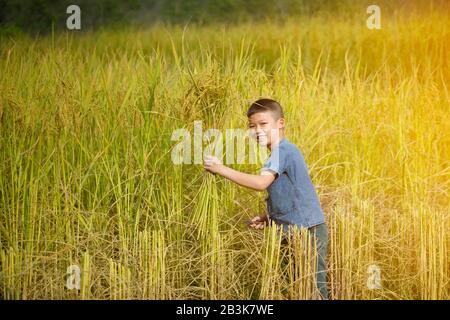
292, 197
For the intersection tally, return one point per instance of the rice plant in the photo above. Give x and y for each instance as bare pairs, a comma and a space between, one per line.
86, 176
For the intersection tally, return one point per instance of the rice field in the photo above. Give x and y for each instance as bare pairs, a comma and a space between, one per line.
86, 176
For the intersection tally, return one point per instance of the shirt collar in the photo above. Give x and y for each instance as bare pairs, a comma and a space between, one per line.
282, 141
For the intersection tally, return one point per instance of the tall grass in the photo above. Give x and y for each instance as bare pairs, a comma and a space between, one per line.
86, 176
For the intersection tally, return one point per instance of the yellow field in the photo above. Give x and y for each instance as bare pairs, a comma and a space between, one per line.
86, 176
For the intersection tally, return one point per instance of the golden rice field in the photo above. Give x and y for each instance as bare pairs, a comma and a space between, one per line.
86, 176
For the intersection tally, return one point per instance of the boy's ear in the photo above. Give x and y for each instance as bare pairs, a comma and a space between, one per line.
281, 122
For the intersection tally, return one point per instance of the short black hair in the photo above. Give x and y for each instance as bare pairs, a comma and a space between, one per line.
263, 105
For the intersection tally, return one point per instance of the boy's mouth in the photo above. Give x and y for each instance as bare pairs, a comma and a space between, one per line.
261, 138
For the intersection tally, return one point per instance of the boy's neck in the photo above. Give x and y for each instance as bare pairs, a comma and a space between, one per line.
277, 142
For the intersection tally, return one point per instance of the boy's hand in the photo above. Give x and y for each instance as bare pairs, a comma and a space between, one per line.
258, 222
212, 164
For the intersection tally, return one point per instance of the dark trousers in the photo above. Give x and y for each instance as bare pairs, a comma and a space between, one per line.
319, 235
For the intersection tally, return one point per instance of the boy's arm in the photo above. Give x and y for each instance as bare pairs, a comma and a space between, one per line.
252, 181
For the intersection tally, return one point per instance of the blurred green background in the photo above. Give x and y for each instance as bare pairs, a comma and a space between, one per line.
43, 16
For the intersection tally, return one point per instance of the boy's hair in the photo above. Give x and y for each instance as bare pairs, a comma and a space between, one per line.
263, 105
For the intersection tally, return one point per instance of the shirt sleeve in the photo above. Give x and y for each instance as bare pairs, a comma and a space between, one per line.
276, 162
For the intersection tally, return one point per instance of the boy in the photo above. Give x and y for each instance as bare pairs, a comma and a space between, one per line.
292, 199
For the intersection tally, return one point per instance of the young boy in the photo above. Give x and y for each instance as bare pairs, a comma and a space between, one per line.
292, 199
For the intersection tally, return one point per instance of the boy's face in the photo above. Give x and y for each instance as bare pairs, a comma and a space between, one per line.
265, 128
